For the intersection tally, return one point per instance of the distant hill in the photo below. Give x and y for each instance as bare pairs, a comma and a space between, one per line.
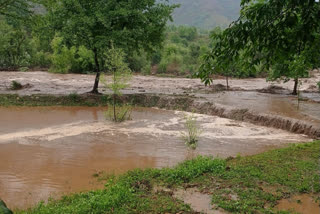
206, 14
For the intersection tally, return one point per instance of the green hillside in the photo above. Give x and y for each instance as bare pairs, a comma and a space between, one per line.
206, 13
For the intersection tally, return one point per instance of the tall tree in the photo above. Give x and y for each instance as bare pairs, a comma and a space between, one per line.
282, 35
130, 24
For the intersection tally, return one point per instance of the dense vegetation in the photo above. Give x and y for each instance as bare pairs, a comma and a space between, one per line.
30, 47
256, 184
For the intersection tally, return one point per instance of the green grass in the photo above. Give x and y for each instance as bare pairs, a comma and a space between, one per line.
51, 100
251, 184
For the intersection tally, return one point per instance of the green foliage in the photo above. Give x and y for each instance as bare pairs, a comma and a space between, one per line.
15, 46
65, 60
23, 69
74, 97
182, 51
16, 9
62, 57
119, 113
191, 170
281, 36
318, 84
192, 133
288, 171
139, 62
15, 85
121, 75
131, 25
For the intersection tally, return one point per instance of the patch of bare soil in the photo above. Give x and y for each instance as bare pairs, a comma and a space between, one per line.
198, 201
304, 204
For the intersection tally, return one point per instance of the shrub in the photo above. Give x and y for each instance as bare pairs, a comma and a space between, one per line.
119, 113
191, 136
138, 62
15, 48
74, 59
121, 75
15, 85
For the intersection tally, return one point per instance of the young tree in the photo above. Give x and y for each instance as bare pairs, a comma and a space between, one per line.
121, 75
276, 33
217, 62
131, 25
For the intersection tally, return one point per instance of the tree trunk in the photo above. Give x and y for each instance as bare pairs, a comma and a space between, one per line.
295, 88
96, 81
114, 98
114, 108
227, 79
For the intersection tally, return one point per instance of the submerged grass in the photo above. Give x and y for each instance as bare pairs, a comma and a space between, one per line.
251, 184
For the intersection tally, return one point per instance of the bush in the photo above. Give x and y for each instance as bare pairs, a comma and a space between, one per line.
119, 113
121, 75
41, 59
15, 48
192, 134
138, 62
16, 85
74, 59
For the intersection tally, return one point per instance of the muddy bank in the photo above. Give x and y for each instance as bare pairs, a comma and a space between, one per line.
309, 128
51, 151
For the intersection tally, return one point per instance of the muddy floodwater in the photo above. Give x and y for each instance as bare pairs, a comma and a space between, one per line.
275, 104
50, 151
304, 204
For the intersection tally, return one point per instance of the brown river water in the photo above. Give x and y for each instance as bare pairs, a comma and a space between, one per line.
50, 151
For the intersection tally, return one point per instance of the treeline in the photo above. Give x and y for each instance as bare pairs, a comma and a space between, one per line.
34, 45
33, 37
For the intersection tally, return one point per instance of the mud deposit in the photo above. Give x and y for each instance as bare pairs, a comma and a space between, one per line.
304, 204
199, 202
50, 151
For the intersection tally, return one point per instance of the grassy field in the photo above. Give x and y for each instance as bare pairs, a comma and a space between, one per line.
255, 183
